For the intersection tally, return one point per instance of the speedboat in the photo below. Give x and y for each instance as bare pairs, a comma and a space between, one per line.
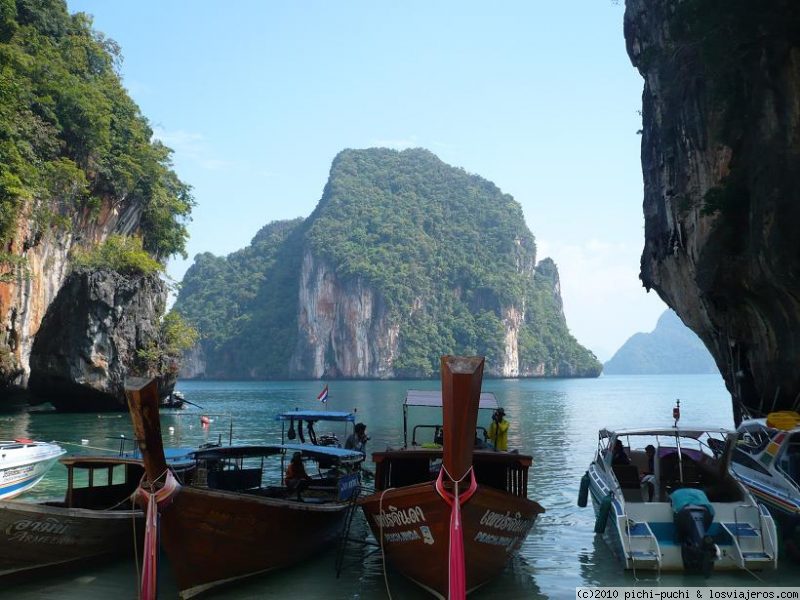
682, 509
767, 461
23, 463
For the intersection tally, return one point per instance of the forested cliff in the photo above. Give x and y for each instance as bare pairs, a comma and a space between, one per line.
82, 183
405, 258
720, 158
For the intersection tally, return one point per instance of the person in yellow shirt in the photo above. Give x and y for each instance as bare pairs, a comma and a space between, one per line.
498, 430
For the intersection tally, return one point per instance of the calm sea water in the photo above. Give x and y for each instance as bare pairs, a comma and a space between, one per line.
555, 420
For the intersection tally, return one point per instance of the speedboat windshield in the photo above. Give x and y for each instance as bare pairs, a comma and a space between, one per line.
693, 443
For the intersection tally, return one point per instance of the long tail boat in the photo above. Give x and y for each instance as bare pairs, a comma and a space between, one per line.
451, 526
228, 525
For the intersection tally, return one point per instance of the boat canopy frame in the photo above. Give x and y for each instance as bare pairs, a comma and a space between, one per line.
433, 399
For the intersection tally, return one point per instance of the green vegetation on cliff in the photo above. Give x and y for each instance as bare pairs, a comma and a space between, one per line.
120, 253
71, 139
447, 253
245, 305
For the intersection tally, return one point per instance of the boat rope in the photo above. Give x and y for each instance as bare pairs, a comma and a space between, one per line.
112, 450
457, 576
154, 499
135, 541
380, 530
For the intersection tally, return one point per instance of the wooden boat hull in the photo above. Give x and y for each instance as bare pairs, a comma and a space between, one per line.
413, 525
215, 537
35, 537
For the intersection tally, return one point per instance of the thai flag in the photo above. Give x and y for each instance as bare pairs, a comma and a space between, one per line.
323, 395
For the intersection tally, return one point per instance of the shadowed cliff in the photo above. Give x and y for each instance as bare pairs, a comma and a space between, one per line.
720, 158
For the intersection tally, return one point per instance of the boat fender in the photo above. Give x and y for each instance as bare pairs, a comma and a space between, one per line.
300, 431
583, 492
602, 514
291, 433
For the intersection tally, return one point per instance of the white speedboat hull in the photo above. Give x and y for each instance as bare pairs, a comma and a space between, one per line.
643, 534
24, 463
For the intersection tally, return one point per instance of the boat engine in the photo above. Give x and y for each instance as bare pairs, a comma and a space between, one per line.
698, 550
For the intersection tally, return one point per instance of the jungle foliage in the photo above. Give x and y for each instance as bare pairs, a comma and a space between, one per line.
120, 253
447, 252
71, 139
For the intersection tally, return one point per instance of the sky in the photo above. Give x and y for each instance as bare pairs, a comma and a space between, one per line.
257, 98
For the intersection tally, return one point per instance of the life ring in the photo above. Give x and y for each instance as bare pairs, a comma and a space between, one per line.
783, 419
583, 492
602, 514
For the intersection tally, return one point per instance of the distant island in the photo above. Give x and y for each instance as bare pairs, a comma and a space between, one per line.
405, 258
671, 348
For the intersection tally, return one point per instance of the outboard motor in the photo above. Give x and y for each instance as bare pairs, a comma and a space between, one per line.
693, 515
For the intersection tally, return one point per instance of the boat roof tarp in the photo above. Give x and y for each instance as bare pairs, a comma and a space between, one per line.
433, 398
316, 415
176, 457
271, 449
688, 432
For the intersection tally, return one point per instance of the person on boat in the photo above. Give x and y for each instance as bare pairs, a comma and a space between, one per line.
648, 477
358, 439
620, 457
296, 477
498, 430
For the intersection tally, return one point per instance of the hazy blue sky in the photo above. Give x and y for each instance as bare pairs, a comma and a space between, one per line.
256, 98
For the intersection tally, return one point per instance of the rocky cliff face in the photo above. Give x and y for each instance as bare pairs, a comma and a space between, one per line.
343, 327
344, 330
720, 158
87, 343
78, 163
29, 287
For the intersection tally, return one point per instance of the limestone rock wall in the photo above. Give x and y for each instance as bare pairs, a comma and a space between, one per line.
88, 341
720, 158
28, 289
343, 327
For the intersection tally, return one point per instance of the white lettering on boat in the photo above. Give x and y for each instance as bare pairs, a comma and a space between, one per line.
396, 518
506, 522
402, 536
49, 531
496, 540
49, 525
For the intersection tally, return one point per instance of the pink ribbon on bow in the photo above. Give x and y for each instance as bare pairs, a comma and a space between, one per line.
159, 498
457, 580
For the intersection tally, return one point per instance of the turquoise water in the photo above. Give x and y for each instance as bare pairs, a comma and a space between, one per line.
555, 420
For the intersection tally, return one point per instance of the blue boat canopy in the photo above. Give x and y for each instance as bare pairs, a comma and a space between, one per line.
316, 415
326, 451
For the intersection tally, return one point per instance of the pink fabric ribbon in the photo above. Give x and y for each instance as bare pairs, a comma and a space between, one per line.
457, 580
161, 497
